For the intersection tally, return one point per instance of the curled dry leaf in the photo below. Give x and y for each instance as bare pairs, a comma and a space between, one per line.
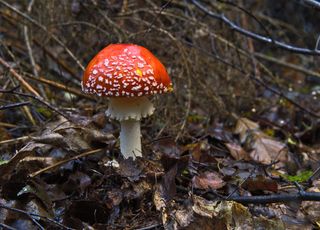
208, 180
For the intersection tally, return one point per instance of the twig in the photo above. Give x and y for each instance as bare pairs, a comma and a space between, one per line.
150, 227
14, 140
276, 198
74, 79
39, 99
65, 161
4, 226
253, 35
61, 86
286, 64
7, 125
29, 215
27, 40
32, 215
14, 105
313, 3
54, 37
19, 77
156, 17
259, 81
30, 52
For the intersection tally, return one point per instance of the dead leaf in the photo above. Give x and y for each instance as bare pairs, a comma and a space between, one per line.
243, 126
201, 152
184, 217
260, 184
265, 150
235, 215
129, 169
208, 180
237, 152
27, 150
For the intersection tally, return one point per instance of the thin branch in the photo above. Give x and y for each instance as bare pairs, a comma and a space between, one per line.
50, 167
32, 215
14, 105
276, 198
4, 226
54, 37
287, 65
60, 86
156, 17
313, 3
36, 98
25, 84
259, 81
253, 35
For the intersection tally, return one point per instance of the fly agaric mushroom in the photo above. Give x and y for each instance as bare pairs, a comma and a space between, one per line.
127, 74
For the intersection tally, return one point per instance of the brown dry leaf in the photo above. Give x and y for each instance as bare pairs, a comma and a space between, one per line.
265, 150
243, 126
312, 210
201, 152
236, 215
158, 198
208, 180
130, 169
260, 184
70, 136
27, 150
237, 152
184, 217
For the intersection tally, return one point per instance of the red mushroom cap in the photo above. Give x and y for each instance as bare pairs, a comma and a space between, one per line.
125, 70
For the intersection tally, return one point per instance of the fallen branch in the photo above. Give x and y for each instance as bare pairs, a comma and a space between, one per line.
262, 199
276, 198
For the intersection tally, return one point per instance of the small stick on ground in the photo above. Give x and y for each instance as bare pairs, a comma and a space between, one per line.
85, 154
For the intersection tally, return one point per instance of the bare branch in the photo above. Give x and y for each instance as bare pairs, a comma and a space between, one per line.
276, 198
14, 105
32, 216
313, 3
54, 37
253, 35
39, 99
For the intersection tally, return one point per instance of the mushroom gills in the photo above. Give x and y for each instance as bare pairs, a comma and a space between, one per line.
126, 108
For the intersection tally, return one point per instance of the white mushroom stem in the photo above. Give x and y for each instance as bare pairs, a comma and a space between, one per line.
130, 138
129, 112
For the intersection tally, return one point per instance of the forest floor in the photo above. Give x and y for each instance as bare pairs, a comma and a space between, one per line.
236, 145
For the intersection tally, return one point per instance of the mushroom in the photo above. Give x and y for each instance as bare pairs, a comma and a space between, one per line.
127, 73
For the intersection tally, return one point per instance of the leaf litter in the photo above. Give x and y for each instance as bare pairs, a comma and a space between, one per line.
71, 172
